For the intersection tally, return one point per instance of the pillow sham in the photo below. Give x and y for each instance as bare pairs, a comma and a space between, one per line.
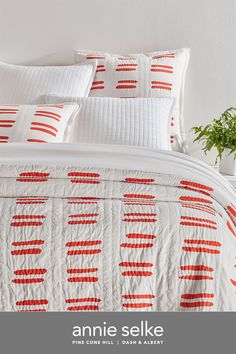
156, 74
105, 120
44, 123
28, 84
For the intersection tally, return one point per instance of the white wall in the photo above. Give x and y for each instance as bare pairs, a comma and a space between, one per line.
31, 31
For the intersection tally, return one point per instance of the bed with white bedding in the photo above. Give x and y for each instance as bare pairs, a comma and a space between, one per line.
114, 228
94, 214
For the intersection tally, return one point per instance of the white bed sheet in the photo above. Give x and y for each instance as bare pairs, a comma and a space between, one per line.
114, 156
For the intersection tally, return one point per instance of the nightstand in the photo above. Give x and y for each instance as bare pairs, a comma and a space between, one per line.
231, 179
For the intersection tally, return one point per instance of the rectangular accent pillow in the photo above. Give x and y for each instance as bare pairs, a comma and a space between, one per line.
157, 74
44, 123
28, 84
140, 122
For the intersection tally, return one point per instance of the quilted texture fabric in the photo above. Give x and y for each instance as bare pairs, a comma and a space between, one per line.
28, 84
156, 74
140, 122
43, 123
75, 239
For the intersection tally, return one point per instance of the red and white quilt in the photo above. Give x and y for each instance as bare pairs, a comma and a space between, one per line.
83, 238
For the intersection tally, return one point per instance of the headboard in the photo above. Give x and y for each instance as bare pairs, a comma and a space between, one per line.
44, 32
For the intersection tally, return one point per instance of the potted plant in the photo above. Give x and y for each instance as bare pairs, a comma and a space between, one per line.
221, 134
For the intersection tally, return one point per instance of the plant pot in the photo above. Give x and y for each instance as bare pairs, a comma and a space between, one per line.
228, 164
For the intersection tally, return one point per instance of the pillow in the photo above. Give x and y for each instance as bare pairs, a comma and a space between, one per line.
36, 124
138, 122
29, 84
157, 74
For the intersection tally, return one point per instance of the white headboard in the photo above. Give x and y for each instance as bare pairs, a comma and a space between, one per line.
45, 31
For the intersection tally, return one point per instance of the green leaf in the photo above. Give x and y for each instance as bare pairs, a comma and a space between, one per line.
220, 134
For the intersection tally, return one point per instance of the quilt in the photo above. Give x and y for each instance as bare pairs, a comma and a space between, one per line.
84, 238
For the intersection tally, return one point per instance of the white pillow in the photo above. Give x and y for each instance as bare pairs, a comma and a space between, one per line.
43, 123
28, 84
138, 122
157, 74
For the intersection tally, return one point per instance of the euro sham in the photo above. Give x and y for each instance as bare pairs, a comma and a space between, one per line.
28, 84
156, 74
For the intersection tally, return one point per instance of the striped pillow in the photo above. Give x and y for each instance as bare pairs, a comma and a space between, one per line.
157, 74
139, 122
28, 84
43, 123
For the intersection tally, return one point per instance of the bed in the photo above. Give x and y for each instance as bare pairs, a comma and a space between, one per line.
101, 209
88, 227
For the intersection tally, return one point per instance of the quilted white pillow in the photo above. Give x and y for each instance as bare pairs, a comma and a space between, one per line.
28, 84
140, 122
157, 74
37, 124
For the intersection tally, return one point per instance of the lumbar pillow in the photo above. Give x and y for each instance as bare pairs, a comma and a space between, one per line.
28, 84
156, 74
36, 123
140, 122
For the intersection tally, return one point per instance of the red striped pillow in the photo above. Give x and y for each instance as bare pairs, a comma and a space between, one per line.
157, 74
44, 123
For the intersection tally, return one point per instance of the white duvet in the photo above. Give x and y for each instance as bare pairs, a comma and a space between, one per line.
108, 228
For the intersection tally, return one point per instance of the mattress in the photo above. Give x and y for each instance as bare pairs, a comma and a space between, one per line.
114, 228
